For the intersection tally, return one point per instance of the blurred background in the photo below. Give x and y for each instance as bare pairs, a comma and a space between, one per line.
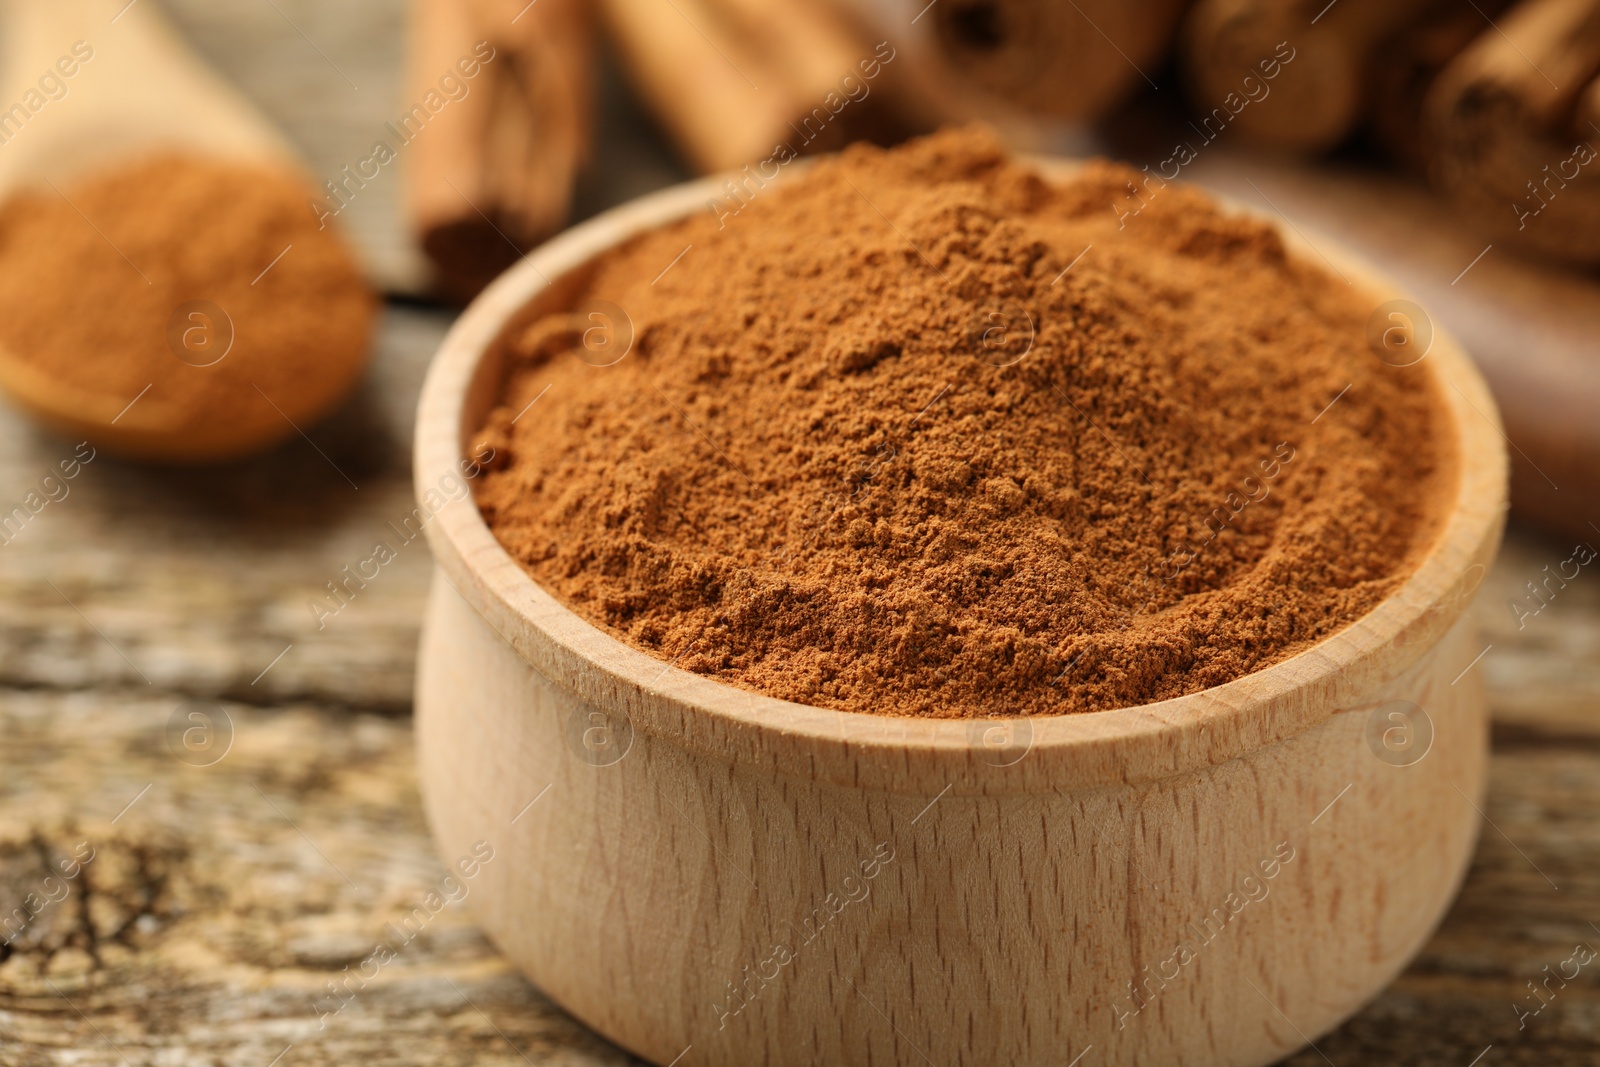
1453, 140
237, 871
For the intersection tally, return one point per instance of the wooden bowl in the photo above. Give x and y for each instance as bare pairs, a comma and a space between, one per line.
707, 876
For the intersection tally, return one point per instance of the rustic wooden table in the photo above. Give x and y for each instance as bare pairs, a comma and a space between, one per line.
223, 896
233, 878
232, 786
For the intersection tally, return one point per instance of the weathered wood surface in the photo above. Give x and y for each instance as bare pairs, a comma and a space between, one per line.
221, 902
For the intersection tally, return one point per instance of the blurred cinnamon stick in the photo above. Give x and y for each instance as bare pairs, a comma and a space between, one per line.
1587, 122
491, 173
1309, 61
734, 81
1071, 61
1405, 68
1506, 117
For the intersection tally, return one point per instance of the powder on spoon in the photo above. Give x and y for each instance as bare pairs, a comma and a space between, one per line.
919, 433
210, 282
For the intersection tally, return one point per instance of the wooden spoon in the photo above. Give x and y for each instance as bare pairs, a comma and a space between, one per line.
99, 83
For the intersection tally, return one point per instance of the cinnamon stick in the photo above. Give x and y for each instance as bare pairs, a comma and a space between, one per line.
1529, 326
1071, 61
739, 81
1405, 68
1504, 117
1322, 52
490, 173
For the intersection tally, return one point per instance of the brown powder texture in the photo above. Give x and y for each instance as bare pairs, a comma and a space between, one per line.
103, 285
808, 477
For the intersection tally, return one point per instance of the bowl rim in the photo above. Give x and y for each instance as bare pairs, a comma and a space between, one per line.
1344, 672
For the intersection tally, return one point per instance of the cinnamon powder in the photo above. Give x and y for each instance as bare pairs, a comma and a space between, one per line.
875, 447
211, 282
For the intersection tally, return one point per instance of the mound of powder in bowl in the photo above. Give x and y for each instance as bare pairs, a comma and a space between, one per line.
921, 433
